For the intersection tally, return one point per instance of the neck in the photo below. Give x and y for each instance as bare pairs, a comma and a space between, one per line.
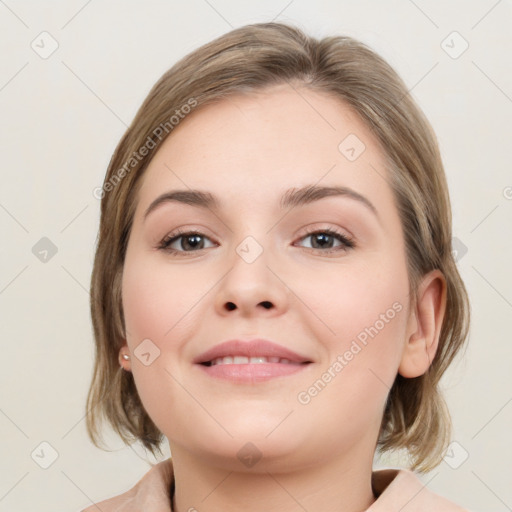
334, 485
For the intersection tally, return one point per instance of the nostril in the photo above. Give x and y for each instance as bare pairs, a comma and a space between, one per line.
230, 305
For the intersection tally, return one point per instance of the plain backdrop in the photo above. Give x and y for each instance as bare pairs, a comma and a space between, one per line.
73, 74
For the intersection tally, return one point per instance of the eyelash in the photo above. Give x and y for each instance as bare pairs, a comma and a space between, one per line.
348, 243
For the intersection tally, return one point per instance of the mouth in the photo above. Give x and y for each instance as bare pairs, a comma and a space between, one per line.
250, 361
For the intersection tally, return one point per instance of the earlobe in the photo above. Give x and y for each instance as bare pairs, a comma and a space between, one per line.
425, 320
124, 358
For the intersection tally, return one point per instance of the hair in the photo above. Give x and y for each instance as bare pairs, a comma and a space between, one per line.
248, 60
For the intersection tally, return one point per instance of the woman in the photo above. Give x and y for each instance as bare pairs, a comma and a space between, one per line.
274, 290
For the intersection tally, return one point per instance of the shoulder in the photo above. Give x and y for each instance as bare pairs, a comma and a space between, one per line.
400, 489
151, 492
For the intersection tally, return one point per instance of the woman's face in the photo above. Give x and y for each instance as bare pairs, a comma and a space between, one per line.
254, 270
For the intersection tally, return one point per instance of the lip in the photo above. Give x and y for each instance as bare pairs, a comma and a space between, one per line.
255, 372
250, 348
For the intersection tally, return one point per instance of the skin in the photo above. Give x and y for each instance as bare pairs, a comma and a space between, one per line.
247, 151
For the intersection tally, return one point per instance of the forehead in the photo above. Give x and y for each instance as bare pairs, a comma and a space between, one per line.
259, 144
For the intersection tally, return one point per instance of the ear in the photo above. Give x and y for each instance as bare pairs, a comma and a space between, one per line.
125, 363
424, 326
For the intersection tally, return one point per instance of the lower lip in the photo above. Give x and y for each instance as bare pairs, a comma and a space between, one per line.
251, 372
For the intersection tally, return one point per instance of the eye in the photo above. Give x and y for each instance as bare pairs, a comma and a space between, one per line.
187, 241
324, 239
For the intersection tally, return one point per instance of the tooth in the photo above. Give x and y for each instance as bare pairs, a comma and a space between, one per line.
258, 360
251, 360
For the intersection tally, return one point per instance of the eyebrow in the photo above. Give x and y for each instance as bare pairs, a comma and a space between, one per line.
290, 199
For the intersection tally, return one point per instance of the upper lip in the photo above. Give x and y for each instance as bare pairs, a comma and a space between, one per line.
250, 348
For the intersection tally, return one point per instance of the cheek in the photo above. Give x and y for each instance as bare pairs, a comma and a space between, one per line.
351, 388
353, 298
157, 299
363, 312
157, 306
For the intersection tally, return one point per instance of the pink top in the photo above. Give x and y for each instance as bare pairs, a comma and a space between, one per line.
397, 490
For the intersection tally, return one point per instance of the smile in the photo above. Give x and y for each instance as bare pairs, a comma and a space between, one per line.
249, 360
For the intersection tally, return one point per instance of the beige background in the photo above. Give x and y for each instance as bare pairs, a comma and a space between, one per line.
62, 116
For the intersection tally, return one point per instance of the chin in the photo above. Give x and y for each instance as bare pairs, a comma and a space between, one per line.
248, 449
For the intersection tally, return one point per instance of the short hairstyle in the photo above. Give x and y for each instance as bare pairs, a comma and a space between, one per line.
250, 59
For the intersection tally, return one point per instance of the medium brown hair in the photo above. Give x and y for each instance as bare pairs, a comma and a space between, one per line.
249, 59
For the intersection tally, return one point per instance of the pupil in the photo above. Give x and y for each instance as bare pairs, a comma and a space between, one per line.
322, 238
195, 243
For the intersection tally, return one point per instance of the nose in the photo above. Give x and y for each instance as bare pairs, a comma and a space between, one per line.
252, 288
